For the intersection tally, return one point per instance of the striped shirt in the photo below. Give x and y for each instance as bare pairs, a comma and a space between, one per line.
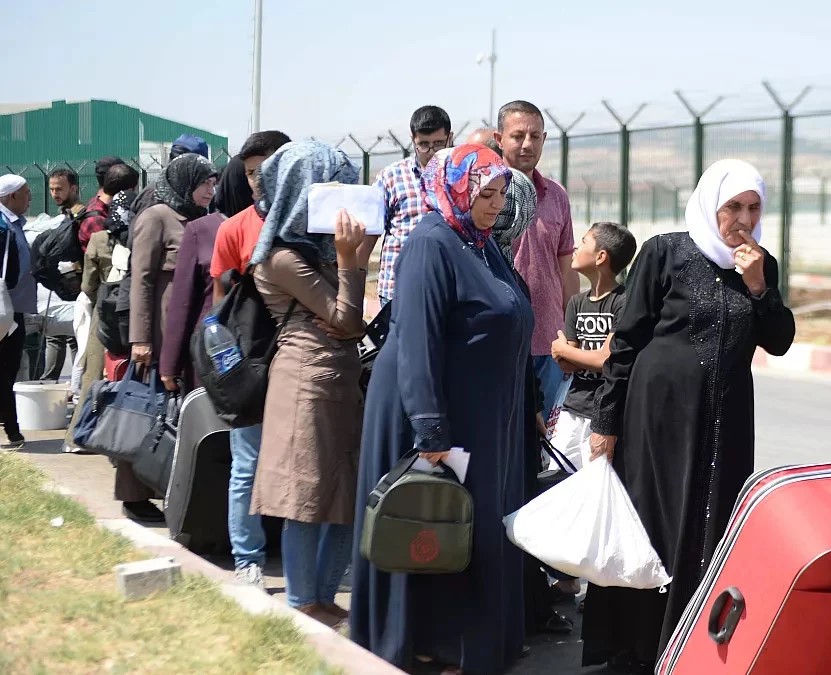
401, 183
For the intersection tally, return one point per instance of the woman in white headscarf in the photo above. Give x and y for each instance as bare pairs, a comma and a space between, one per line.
675, 412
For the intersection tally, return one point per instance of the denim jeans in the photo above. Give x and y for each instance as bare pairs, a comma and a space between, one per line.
315, 556
246, 531
554, 384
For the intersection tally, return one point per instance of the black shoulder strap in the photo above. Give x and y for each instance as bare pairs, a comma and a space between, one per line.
394, 475
562, 461
87, 214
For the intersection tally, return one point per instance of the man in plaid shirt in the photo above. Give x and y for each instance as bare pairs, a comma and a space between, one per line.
401, 182
99, 205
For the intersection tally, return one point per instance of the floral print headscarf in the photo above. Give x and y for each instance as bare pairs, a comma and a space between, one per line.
452, 181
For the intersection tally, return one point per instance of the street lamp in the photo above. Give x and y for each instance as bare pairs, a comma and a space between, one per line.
256, 75
480, 59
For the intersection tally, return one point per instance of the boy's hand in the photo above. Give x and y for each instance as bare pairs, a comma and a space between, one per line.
559, 346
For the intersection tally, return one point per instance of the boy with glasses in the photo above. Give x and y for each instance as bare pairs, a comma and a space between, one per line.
401, 182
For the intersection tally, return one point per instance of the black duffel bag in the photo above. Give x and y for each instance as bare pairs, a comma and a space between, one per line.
153, 464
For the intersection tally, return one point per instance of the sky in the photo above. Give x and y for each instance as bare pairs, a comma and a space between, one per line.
331, 68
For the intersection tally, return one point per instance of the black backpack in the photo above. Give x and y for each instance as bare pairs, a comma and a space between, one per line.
239, 394
59, 245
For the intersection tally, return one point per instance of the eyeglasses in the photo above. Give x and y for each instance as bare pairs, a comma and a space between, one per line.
435, 146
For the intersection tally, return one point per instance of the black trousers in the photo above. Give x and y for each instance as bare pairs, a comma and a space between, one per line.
11, 351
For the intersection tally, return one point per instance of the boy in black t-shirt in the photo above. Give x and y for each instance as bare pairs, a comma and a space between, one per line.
590, 318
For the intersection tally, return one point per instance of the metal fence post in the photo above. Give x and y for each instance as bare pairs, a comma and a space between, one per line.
46, 192
365, 155
588, 201
698, 132
564, 144
405, 149
787, 186
624, 159
654, 203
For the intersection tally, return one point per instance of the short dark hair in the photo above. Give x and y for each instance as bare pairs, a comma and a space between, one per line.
428, 120
618, 242
120, 178
263, 144
517, 107
103, 165
69, 174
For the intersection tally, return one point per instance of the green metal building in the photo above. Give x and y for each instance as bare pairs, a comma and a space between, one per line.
35, 138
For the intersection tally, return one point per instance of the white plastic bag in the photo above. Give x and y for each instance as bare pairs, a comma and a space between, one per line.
587, 527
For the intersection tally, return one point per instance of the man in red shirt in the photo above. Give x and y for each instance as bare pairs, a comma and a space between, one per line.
235, 242
238, 235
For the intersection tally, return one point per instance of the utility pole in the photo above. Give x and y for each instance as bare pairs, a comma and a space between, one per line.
258, 64
491, 58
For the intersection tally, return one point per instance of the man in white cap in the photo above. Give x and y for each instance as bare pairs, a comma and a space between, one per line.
15, 198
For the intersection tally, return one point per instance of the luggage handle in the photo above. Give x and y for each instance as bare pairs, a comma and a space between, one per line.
557, 456
155, 381
398, 471
723, 635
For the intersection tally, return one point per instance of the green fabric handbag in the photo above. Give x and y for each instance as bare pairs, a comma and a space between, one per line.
418, 522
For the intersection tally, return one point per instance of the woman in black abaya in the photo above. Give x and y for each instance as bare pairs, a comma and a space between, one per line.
676, 408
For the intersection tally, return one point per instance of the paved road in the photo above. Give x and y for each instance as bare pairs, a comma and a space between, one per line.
792, 416
793, 420
792, 427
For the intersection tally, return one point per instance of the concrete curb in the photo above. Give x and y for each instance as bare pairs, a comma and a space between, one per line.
800, 358
335, 649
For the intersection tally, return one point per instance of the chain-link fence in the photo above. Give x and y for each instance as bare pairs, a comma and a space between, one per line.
37, 176
643, 178
640, 177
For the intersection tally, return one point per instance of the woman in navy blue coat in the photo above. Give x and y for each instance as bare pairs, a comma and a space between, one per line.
451, 373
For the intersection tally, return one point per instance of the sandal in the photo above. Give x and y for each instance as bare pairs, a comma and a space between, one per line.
336, 610
427, 664
319, 613
556, 624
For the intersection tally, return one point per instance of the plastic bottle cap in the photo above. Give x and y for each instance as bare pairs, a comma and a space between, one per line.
210, 320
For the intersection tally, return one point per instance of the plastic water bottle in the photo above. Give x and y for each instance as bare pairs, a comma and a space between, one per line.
221, 345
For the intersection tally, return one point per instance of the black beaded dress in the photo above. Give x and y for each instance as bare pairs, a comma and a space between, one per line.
678, 393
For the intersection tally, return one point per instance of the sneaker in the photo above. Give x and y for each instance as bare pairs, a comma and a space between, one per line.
76, 450
144, 511
251, 575
346, 582
14, 442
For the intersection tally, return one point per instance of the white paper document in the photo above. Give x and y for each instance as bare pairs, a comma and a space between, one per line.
457, 460
364, 202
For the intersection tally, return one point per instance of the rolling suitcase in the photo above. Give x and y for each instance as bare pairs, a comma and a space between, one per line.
764, 605
196, 502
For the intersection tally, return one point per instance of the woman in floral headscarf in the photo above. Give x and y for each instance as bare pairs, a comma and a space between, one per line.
451, 373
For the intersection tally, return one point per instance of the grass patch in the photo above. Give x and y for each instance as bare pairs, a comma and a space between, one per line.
60, 611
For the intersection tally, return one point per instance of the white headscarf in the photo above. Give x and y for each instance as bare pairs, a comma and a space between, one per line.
718, 185
10, 183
